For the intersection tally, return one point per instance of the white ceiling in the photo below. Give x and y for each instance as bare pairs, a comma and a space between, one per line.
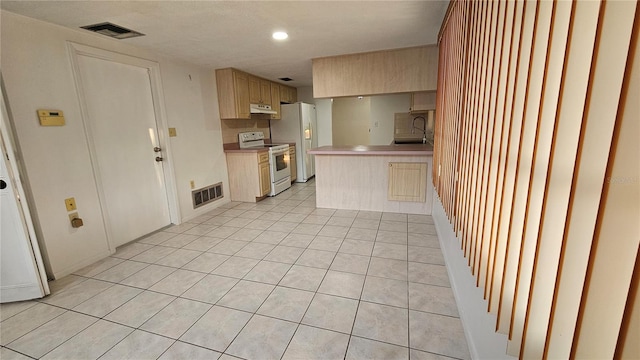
218, 34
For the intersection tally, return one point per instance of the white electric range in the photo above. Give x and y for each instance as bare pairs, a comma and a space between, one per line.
278, 159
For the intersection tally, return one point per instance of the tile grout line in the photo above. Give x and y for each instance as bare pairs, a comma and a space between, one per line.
301, 204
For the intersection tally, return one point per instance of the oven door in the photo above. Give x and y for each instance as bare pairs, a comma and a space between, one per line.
279, 165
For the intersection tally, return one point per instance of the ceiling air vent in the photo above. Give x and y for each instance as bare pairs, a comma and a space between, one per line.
112, 30
286, 79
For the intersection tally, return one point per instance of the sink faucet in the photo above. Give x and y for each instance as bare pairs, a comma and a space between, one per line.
424, 129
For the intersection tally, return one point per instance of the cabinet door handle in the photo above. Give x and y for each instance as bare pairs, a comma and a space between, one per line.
159, 158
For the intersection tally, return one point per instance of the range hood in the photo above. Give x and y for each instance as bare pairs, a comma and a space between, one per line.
261, 109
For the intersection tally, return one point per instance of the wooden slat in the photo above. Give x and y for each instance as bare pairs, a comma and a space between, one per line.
472, 124
478, 137
628, 346
507, 287
454, 76
498, 115
555, 59
464, 120
500, 242
490, 116
485, 137
614, 94
467, 124
563, 153
525, 160
519, 167
465, 46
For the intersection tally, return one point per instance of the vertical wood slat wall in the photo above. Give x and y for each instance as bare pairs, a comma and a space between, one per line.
536, 163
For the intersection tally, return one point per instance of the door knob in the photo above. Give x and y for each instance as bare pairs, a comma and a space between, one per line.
157, 149
159, 158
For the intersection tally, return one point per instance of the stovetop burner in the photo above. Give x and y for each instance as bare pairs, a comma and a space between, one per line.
255, 140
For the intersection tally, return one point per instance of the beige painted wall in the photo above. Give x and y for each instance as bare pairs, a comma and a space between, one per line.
231, 128
366, 121
350, 121
37, 74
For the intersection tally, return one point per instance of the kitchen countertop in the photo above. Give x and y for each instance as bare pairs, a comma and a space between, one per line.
235, 147
405, 149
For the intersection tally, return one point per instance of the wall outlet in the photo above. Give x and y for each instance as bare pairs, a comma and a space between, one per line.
193, 184
70, 203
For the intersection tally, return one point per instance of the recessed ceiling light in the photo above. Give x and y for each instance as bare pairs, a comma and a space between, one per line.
280, 35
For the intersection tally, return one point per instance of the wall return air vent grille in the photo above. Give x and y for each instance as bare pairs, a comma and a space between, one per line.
206, 195
112, 30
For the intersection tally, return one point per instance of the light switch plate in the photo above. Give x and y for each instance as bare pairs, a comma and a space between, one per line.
173, 132
70, 203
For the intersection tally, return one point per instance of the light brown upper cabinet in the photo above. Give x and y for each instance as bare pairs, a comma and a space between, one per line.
288, 95
233, 94
238, 89
259, 90
380, 72
423, 101
275, 100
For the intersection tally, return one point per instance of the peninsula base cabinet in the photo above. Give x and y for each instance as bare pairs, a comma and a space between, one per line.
249, 175
387, 183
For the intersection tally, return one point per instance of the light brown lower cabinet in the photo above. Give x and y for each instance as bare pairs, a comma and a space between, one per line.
407, 182
292, 163
265, 178
249, 175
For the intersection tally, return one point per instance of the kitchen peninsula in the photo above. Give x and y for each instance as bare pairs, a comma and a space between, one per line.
392, 178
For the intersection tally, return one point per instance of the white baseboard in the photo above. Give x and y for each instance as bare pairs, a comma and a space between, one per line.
479, 325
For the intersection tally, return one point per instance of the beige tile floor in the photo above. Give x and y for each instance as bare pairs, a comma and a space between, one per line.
280, 279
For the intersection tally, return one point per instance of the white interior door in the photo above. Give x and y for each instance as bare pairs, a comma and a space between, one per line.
123, 132
22, 274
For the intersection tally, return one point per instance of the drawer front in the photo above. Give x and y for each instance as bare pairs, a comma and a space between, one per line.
263, 157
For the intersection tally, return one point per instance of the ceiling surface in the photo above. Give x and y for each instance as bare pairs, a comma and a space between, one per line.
218, 34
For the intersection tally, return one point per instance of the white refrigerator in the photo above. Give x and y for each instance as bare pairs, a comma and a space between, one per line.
298, 123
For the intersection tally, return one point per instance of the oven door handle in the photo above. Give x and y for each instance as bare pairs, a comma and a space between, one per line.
279, 152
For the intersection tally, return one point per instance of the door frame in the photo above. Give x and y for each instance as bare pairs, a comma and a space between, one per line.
8, 149
75, 50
